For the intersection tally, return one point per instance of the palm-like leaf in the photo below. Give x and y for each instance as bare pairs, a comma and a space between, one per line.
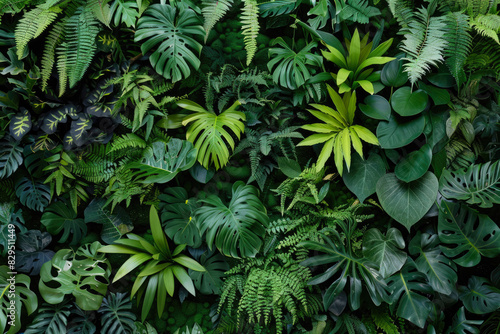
208, 133
51, 319
116, 315
34, 195
161, 24
237, 229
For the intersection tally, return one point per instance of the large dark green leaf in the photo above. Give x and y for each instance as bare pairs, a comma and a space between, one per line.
161, 162
173, 31
345, 265
177, 215
31, 254
210, 281
460, 325
439, 270
408, 287
385, 251
407, 202
376, 107
396, 134
479, 297
10, 157
35, 195
114, 224
362, 178
414, 165
467, 234
84, 274
440, 96
480, 184
238, 228
393, 75
408, 103
60, 216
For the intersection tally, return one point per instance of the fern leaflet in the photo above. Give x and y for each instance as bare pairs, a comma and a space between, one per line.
213, 11
53, 39
250, 28
459, 44
31, 26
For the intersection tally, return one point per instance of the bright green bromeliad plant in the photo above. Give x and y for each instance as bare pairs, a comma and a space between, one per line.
161, 266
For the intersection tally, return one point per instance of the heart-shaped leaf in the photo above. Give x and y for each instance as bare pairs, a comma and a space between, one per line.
393, 75
414, 165
362, 178
395, 133
385, 251
376, 107
407, 203
408, 103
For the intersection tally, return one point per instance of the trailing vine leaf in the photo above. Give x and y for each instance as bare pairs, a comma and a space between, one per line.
20, 124
407, 203
208, 134
23, 296
116, 316
10, 157
33, 194
84, 273
114, 224
210, 281
236, 229
177, 213
175, 30
60, 216
161, 162
385, 251
408, 291
51, 319
479, 184
461, 325
467, 234
31, 254
439, 270
250, 28
479, 297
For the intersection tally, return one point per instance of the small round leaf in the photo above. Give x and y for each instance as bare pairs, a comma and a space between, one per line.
408, 103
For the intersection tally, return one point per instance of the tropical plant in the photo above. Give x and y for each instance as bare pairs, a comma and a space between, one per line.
337, 131
162, 265
51, 319
115, 314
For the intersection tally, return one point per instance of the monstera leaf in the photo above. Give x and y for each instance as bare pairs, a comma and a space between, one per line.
60, 216
114, 224
210, 281
480, 184
31, 254
208, 133
236, 229
174, 31
479, 297
23, 296
11, 157
461, 325
161, 161
467, 234
408, 290
360, 271
51, 319
7, 218
385, 251
84, 274
177, 217
439, 270
34, 195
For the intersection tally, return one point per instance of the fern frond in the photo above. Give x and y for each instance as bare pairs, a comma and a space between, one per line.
424, 44
55, 37
31, 26
487, 25
250, 27
402, 10
459, 154
359, 11
81, 33
127, 141
459, 44
62, 68
213, 11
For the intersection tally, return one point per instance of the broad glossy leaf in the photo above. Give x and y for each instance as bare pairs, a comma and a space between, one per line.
376, 107
57, 116
20, 124
439, 96
210, 281
397, 133
408, 290
161, 162
387, 252
236, 229
479, 297
439, 270
480, 184
393, 75
408, 103
407, 203
362, 178
60, 216
461, 325
31, 253
114, 224
171, 31
414, 165
467, 234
